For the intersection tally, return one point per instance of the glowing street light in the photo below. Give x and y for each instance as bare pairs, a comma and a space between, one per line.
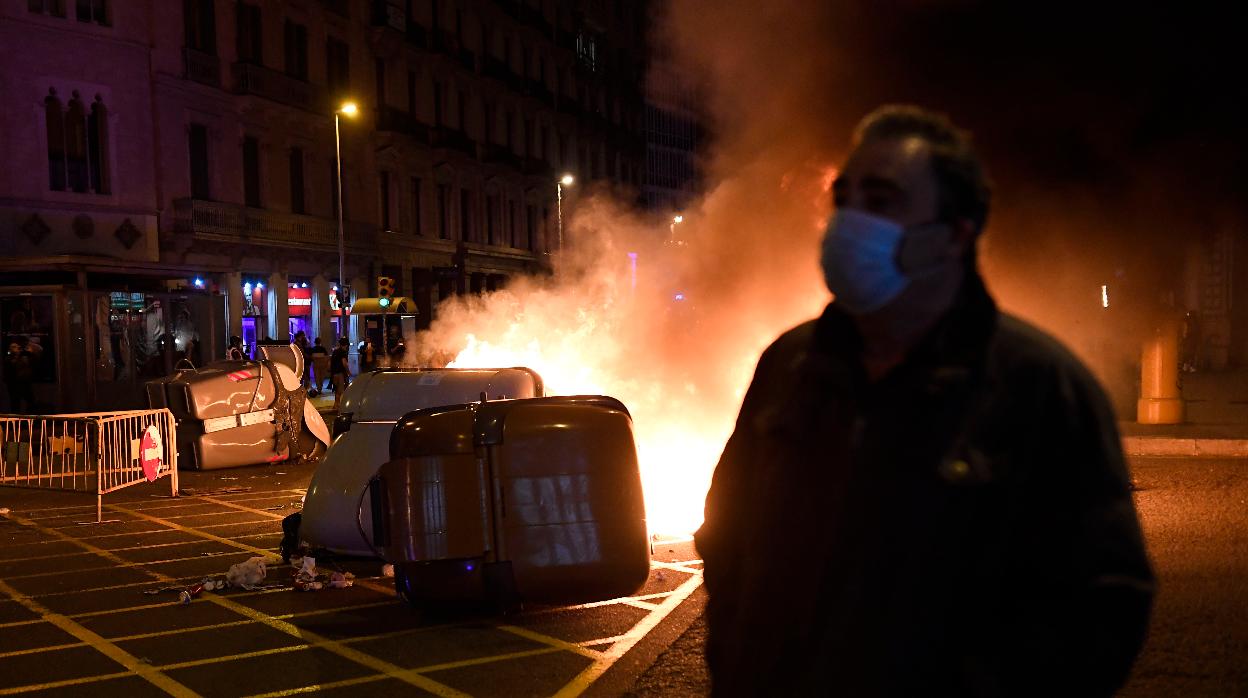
349, 109
565, 181
671, 228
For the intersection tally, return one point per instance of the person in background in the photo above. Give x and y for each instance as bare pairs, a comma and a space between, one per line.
320, 382
922, 496
340, 370
368, 354
19, 375
301, 341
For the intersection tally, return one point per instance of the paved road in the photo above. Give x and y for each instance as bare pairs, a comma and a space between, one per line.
1195, 517
74, 618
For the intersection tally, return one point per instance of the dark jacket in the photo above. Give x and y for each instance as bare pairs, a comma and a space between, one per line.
963, 526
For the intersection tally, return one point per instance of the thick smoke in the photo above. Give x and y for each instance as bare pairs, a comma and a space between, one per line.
1082, 157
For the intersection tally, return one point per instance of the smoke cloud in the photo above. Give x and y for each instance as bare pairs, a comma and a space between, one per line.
1088, 194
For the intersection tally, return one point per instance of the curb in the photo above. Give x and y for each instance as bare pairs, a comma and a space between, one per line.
1174, 447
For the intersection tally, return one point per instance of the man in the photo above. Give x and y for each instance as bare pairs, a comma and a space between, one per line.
301, 342
339, 370
922, 496
320, 366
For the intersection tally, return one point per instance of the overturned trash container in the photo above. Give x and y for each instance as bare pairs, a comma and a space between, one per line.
514, 500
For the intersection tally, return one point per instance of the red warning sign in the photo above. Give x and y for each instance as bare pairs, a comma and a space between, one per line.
150, 450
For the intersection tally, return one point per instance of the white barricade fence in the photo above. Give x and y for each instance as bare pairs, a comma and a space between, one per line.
98, 452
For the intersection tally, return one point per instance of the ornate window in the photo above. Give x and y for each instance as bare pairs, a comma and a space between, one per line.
77, 145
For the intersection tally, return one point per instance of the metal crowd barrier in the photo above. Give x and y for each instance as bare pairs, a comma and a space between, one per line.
98, 452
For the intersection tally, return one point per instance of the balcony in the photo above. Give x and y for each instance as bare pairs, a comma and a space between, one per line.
202, 67
232, 223
399, 121
264, 82
452, 139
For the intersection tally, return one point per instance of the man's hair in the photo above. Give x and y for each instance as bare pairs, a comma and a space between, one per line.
964, 189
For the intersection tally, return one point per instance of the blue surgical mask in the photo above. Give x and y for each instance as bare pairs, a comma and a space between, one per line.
860, 260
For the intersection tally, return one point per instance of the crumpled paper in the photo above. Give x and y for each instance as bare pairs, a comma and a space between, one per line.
247, 574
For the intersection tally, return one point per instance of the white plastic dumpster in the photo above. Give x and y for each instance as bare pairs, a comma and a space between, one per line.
361, 440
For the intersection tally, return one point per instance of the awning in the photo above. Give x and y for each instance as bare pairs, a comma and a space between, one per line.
400, 305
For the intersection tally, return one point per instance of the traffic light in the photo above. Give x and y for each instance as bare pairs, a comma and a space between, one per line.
385, 291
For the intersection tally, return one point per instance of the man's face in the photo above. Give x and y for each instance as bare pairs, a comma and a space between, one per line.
892, 179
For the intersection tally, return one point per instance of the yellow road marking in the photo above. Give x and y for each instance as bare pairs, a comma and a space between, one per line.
378, 665
235, 657
609, 657
193, 531
61, 684
338, 648
37, 650
322, 686
551, 641
85, 552
124, 565
98, 643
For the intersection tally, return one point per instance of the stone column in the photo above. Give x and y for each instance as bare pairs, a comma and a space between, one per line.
279, 308
231, 283
321, 312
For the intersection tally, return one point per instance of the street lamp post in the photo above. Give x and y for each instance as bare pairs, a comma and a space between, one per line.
347, 109
671, 228
564, 181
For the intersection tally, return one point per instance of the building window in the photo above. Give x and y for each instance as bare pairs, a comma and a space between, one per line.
199, 161
383, 182
438, 101
511, 223
296, 50
97, 144
491, 213
465, 216
379, 70
76, 144
297, 203
338, 67
411, 93
92, 11
251, 171
415, 194
444, 203
248, 39
530, 227
56, 8
463, 111
54, 116
200, 22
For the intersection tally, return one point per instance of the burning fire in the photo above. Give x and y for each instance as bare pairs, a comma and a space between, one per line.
672, 331
679, 437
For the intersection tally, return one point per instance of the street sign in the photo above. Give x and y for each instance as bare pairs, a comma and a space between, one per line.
150, 449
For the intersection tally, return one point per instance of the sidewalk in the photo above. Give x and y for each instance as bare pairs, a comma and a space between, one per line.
1185, 440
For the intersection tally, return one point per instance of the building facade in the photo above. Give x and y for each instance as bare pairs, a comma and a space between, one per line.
173, 172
